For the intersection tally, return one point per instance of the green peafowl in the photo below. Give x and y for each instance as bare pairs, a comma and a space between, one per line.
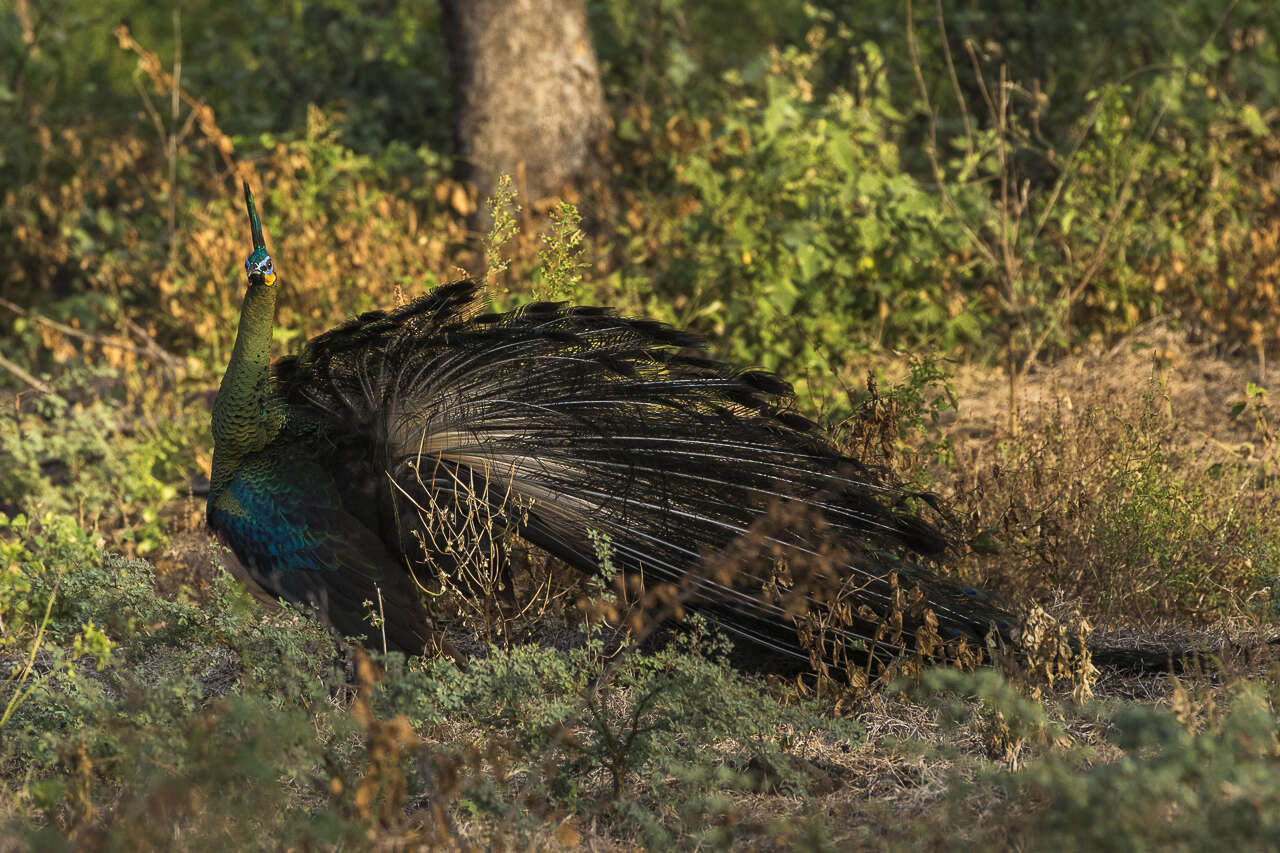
400, 444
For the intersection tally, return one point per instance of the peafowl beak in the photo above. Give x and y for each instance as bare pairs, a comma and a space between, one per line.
258, 265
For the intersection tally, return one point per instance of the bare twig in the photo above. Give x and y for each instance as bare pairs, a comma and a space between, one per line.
951, 70
153, 351
1122, 202
25, 376
382, 620
154, 348
932, 147
151, 65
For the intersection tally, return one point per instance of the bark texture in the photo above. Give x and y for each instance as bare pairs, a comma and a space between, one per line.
527, 95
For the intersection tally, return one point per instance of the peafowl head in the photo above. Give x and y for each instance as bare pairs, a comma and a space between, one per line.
258, 265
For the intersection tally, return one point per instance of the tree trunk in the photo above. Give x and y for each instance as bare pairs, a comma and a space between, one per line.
527, 96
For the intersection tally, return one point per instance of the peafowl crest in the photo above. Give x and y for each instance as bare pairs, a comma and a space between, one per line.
406, 443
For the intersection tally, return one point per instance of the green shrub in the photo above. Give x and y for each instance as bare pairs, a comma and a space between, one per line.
789, 225
658, 738
1161, 779
97, 458
1172, 789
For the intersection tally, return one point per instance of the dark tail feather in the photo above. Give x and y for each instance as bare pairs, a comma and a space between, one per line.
1153, 659
1139, 660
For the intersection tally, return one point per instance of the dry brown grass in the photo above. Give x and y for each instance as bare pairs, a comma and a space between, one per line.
1130, 491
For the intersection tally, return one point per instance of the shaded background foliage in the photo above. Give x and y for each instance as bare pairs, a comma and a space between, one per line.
772, 159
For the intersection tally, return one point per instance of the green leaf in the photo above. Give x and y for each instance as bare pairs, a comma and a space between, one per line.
1253, 120
843, 153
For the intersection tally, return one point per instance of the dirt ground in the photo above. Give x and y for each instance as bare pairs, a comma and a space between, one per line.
1201, 385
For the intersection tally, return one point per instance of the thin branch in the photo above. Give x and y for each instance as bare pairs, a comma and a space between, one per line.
24, 376
932, 148
951, 70
151, 65
158, 352
154, 351
1065, 174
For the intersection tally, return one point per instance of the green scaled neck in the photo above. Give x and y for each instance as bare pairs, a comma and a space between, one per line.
246, 417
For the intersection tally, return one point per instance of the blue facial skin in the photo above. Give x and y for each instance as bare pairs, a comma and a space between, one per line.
260, 262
